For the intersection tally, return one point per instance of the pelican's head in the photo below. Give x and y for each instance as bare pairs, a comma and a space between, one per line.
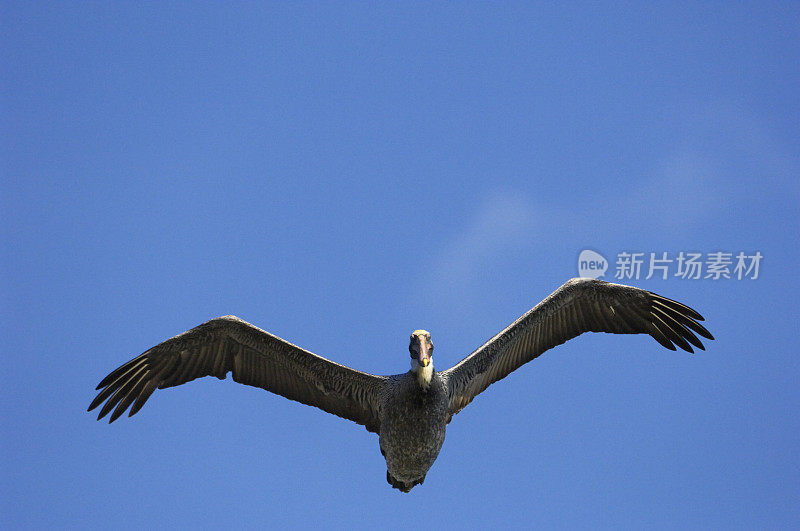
421, 349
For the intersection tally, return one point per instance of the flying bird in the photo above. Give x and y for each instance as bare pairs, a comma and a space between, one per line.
408, 411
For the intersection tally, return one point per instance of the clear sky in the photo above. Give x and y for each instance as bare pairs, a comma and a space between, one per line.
341, 174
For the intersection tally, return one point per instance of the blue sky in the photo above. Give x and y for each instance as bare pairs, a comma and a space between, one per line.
343, 173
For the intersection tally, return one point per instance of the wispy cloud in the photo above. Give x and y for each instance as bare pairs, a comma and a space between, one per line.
723, 146
690, 188
505, 221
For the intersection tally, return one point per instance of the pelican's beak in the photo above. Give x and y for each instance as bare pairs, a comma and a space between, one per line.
424, 353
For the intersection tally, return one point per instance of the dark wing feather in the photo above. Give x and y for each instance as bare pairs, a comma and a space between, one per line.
255, 357
580, 305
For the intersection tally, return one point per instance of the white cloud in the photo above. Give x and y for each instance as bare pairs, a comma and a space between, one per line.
724, 148
504, 222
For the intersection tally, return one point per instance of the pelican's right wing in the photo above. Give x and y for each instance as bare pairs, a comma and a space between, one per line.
580, 305
255, 357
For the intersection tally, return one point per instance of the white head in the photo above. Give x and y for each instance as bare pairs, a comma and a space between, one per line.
421, 349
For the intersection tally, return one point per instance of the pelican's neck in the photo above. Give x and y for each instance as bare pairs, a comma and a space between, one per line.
424, 374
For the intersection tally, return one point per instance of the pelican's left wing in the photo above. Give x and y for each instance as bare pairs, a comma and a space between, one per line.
580, 305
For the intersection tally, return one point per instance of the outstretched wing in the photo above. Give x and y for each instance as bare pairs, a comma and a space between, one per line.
255, 357
580, 305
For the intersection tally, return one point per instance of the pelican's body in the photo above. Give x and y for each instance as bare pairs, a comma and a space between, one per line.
408, 411
412, 427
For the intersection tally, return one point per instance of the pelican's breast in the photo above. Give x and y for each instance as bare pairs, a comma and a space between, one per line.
413, 426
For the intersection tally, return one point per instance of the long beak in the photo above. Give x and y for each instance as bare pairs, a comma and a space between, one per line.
424, 354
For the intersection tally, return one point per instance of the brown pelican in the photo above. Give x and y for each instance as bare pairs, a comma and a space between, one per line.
408, 411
